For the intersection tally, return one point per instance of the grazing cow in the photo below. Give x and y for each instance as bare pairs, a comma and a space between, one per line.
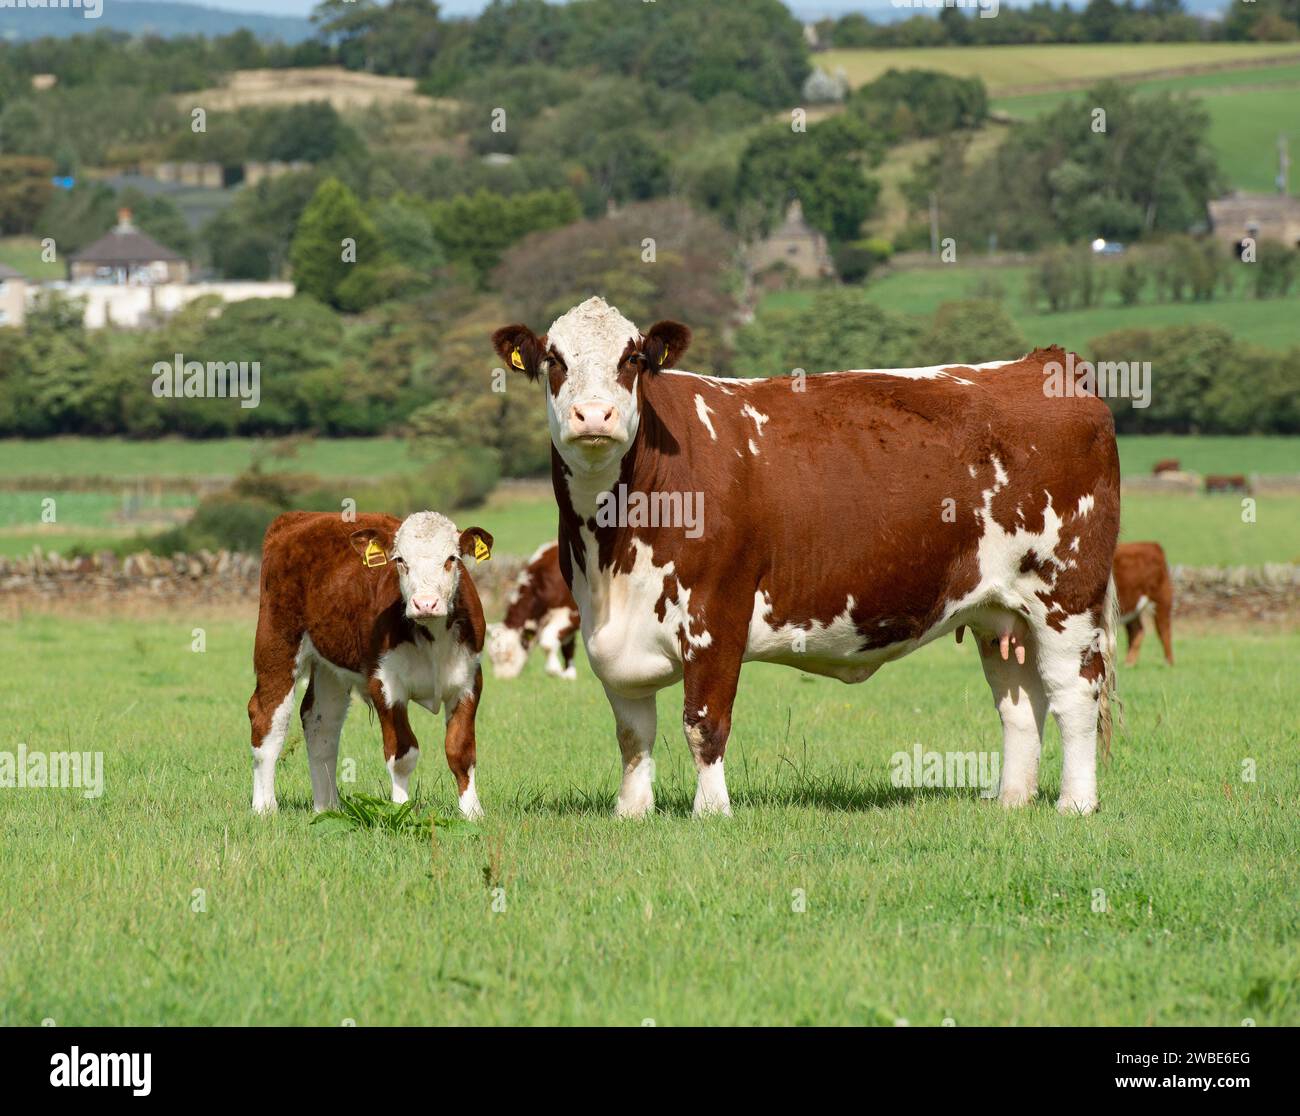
1142, 585
1167, 465
540, 609
847, 519
1229, 482
379, 605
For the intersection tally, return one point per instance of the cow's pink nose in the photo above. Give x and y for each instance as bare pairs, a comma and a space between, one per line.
595, 418
424, 606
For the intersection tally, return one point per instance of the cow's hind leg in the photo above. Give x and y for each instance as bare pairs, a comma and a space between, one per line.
324, 709
1164, 620
1136, 631
1021, 701
1074, 663
635, 720
276, 662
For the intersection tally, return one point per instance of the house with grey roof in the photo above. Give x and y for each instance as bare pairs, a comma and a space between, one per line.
126, 256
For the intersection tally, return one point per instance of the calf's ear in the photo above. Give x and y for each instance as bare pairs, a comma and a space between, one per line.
372, 547
520, 348
666, 343
476, 541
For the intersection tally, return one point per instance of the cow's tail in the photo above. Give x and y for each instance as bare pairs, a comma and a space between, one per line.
1108, 704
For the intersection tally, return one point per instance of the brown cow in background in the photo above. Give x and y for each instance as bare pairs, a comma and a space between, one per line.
1142, 584
1166, 465
1227, 482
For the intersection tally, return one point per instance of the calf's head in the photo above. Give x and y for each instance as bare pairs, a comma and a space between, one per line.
508, 648
426, 553
591, 360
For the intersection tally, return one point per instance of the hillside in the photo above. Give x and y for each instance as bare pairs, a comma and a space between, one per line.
148, 17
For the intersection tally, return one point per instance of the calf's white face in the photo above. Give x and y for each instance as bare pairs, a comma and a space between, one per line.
506, 650
591, 360
426, 552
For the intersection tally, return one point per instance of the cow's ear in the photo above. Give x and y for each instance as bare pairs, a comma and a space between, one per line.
476, 541
520, 348
372, 548
666, 344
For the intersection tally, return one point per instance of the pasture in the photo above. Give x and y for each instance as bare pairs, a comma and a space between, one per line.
1007, 68
166, 901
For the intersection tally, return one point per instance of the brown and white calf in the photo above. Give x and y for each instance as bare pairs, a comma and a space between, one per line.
378, 605
540, 610
1143, 585
847, 520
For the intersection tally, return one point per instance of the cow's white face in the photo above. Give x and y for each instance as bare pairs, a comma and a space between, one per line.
506, 650
591, 360
426, 552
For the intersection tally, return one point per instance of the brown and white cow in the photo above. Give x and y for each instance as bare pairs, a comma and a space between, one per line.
1227, 482
1142, 585
377, 605
848, 519
540, 610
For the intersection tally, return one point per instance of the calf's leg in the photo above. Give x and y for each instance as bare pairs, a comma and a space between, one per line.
1136, 631
275, 659
1165, 620
462, 748
324, 709
401, 749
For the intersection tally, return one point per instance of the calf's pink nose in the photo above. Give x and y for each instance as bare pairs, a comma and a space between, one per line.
424, 606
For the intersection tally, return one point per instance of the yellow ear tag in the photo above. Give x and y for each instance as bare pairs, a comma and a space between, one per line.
517, 360
374, 555
481, 551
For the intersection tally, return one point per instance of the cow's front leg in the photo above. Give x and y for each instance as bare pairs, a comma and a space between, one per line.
635, 721
710, 681
462, 748
401, 749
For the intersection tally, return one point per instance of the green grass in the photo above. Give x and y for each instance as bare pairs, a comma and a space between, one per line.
167, 902
218, 457
1273, 323
23, 254
1205, 530
1013, 67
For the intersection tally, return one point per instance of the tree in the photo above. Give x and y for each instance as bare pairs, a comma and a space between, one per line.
25, 189
334, 235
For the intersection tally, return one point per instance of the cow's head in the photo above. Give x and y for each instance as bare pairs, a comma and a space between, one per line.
508, 648
426, 553
591, 360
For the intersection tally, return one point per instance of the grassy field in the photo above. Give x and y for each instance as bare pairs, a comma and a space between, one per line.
1015, 67
166, 901
1195, 529
23, 254
1270, 322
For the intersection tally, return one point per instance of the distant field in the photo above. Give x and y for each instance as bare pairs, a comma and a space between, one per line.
1015, 67
220, 457
1248, 110
23, 254
1271, 322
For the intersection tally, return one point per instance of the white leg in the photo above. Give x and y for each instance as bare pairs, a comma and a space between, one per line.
400, 767
1068, 660
711, 790
635, 720
266, 754
1021, 702
324, 710
549, 641
469, 803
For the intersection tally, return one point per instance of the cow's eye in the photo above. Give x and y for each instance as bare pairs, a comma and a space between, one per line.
398, 560
450, 559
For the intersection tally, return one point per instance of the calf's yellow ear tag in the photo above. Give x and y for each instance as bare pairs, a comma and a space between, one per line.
481, 551
516, 360
374, 555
